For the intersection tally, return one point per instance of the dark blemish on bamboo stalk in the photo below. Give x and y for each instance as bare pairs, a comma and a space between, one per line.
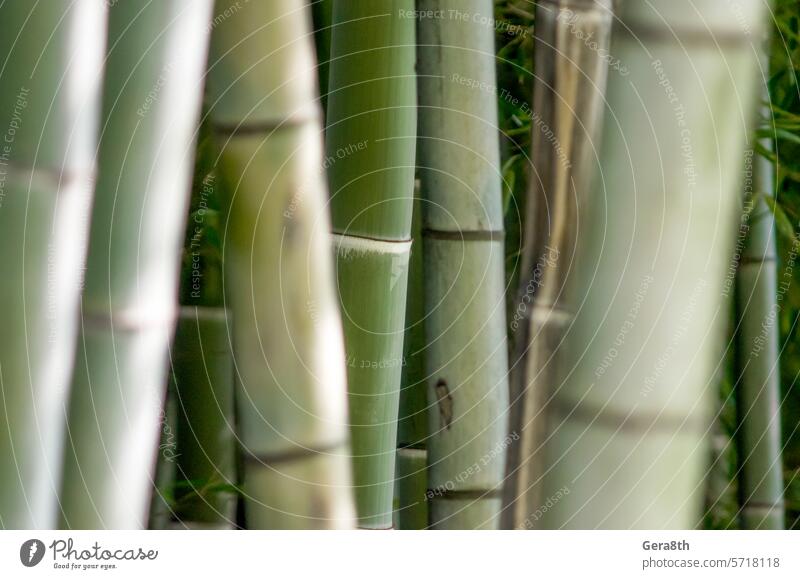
445, 402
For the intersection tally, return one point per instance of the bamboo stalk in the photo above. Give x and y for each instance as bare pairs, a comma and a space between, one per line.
466, 360
411, 480
152, 97
567, 111
203, 373
627, 429
370, 149
288, 349
758, 392
49, 107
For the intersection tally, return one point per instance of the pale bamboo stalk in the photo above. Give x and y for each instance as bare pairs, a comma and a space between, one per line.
288, 348
626, 444
204, 453
758, 392
465, 329
152, 96
567, 112
411, 479
50, 84
370, 140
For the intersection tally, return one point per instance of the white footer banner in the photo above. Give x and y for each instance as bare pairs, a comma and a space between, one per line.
403, 554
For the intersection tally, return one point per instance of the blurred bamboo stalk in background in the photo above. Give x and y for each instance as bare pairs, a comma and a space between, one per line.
627, 423
465, 329
371, 142
52, 55
569, 96
758, 391
205, 445
277, 263
152, 95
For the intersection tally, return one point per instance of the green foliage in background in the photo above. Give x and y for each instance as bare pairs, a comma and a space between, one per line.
784, 91
514, 46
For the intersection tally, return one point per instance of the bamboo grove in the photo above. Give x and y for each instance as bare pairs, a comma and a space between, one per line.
397, 264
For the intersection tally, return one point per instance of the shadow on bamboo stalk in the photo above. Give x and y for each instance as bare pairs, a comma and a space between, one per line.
411, 478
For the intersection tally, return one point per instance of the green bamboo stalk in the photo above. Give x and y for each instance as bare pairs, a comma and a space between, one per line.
467, 359
758, 391
203, 373
288, 347
569, 87
49, 107
411, 480
152, 98
627, 443
370, 150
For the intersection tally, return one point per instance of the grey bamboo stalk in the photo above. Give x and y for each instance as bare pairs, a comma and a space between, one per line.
758, 392
411, 510
277, 261
370, 144
569, 87
465, 328
203, 374
152, 94
628, 420
49, 108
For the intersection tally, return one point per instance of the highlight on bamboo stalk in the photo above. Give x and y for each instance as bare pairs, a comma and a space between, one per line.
466, 358
49, 105
370, 142
288, 350
568, 99
626, 432
151, 104
758, 388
